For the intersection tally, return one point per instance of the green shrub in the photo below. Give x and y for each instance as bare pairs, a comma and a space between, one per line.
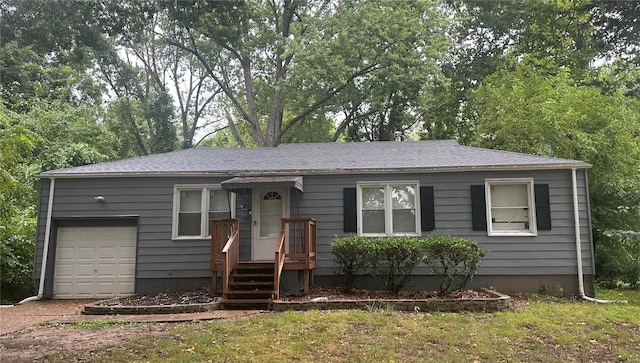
16, 255
395, 258
618, 259
353, 255
456, 259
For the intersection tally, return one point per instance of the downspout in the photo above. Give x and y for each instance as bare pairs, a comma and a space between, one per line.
576, 220
45, 251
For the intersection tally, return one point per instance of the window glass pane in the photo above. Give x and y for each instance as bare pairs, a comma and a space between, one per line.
270, 225
404, 221
219, 215
510, 207
373, 221
373, 198
271, 212
218, 201
190, 201
509, 195
189, 224
216, 215
510, 218
218, 207
403, 196
271, 207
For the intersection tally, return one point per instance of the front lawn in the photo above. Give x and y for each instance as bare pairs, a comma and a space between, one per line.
540, 329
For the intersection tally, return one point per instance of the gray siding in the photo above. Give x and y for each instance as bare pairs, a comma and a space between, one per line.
149, 199
159, 257
551, 252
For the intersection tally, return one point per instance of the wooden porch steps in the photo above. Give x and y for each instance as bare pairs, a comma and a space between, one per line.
251, 286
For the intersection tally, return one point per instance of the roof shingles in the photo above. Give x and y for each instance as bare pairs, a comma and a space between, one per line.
321, 158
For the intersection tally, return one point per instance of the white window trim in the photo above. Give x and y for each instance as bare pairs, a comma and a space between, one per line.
204, 208
533, 229
388, 212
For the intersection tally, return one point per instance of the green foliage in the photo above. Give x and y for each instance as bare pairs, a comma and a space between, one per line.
278, 63
50, 135
353, 255
618, 259
17, 234
160, 112
394, 258
555, 117
17, 207
455, 259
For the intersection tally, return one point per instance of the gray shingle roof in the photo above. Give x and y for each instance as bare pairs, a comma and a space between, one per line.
319, 158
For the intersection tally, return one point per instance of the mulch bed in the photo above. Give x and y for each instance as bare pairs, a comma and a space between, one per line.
204, 296
200, 296
318, 298
335, 293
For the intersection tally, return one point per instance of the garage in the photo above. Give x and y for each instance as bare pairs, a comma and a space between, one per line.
95, 262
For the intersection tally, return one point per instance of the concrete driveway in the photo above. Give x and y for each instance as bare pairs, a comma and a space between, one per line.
18, 317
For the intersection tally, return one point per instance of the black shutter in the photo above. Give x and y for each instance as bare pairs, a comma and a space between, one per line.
478, 208
427, 209
350, 210
543, 208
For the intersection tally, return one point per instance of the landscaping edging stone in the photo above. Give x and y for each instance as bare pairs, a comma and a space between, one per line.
102, 308
498, 302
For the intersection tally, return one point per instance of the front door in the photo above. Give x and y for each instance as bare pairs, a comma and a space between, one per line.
269, 206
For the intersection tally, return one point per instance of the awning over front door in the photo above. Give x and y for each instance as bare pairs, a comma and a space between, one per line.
238, 184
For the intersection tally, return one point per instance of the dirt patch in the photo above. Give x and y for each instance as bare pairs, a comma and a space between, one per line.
40, 342
15, 318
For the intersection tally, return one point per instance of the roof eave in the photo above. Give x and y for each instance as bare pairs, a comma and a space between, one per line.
224, 173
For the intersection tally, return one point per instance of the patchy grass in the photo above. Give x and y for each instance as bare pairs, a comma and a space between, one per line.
540, 329
96, 324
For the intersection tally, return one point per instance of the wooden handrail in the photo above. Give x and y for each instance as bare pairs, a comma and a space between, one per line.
230, 253
297, 244
279, 261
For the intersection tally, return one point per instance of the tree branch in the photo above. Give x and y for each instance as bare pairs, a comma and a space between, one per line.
323, 101
232, 128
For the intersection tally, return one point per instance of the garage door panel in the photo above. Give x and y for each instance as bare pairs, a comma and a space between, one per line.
65, 288
107, 270
95, 262
124, 289
104, 288
84, 270
127, 234
65, 253
127, 252
65, 271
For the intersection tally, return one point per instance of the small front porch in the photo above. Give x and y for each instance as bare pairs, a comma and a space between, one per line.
258, 282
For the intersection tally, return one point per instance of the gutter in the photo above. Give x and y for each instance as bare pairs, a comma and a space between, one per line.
312, 172
45, 252
576, 220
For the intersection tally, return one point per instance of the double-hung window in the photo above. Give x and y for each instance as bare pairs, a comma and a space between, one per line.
388, 208
195, 205
510, 207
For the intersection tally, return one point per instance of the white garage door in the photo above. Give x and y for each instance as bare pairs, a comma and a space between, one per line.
94, 262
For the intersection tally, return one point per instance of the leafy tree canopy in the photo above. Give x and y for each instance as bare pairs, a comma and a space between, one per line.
529, 109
